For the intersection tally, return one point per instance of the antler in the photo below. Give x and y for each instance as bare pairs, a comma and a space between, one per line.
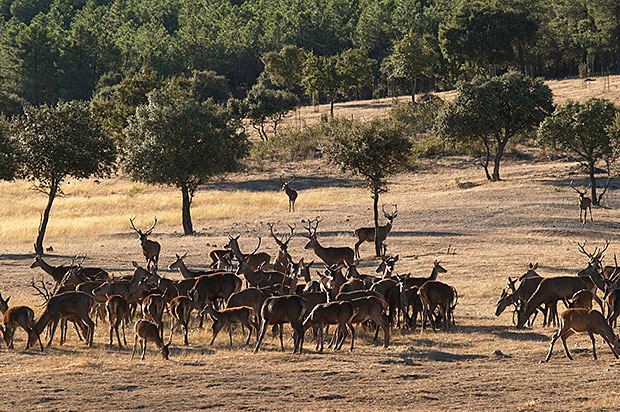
577, 190
583, 250
390, 215
278, 241
148, 232
134, 226
599, 255
290, 181
311, 226
43, 291
257, 246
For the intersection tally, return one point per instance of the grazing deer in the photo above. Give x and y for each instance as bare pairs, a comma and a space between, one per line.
118, 312
585, 203
290, 193
550, 291
150, 248
284, 259
180, 309
435, 294
339, 313
584, 320
148, 331
229, 316
253, 260
278, 310
71, 305
329, 255
21, 316
367, 234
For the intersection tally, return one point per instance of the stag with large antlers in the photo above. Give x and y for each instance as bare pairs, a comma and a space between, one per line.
284, 259
367, 234
585, 203
290, 193
150, 248
329, 255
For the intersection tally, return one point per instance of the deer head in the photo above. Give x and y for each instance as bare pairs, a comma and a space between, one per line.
390, 216
595, 258
311, 226
282, 243
581, 194
178, 262
143, 235
285, 184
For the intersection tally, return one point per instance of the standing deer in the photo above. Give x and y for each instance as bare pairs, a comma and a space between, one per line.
180, 309
118, 312
585, 320
292, 194
284, 259
585, 203
329, 255
229, 316
367, 234
150, 248
254, 260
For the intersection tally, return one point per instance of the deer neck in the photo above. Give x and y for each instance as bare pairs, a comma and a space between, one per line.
45, 318
234, 248
434, 273
306, 274
319, 250
185, 272
53, 271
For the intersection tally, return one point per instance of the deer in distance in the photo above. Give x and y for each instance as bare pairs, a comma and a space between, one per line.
585, 204
290, 193
150, 248
367, 234
329, 255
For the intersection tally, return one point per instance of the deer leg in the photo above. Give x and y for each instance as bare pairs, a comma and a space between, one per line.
135, 344
591, 219
321, 337
593, 344
123, 329
352, 330
565, 335
610, 346
216, 330
249, 326
118, 338
261, 335
54, 326
553, 339
173, 324
144, 349
281, 341
185, 331
230, 334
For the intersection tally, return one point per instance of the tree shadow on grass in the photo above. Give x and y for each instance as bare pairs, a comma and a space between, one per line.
441, 356
504, 332
274, 185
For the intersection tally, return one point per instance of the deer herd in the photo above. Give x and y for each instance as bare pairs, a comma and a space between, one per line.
251, 291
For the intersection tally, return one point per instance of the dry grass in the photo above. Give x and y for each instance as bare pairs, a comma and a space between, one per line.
574, 89
495, 229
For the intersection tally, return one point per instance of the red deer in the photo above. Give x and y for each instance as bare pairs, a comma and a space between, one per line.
278, 310
220, 258
369, 308
148, 331
409, 298
419, 281
78, 273
209, 288
150, 248
550, 291
230, 316
582, 299
329, 255
189, 274
290, 193
253, 260
584, 320
435, 294
585, 203
332, 313
118, 313
153, 309
284, 259
21, 316
367, 234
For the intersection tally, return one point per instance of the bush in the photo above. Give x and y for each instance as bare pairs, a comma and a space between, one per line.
291, 144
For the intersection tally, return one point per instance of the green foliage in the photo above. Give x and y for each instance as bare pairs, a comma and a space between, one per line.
11, 104
355, 71
210, 85
585, 129
291, 144
266, 104
175, 140
8, 151
61, 141
414, 56
374, 150
285, 67
491, 111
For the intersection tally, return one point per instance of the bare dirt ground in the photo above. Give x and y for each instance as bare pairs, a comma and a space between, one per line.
495, 229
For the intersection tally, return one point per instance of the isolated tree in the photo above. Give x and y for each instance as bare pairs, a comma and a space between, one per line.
413, 58
584, 129
60, 142
265, 104
491, 111
178, 141
375, 151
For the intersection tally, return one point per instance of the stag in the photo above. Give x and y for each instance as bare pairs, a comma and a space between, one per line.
585, 203
367, 234
329, 255
254, 260
185, 272
150, 248
284, 259
292, 194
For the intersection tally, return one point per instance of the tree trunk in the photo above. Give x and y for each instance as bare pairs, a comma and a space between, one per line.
591, 166
413, 87
498, 157
485, 163
187, 218
375, 205
331, 108
38, 246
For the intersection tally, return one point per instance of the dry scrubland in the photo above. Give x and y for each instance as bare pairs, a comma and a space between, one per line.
575, 89
496, 229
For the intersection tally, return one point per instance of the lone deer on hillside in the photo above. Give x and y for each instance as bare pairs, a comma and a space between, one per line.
585, 203
292, 194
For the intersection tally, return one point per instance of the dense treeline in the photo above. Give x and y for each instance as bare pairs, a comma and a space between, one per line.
54, 50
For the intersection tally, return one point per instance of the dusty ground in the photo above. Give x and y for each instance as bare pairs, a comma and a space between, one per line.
495, 229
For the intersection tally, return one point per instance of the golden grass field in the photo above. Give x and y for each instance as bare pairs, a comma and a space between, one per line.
569, 89
496, 229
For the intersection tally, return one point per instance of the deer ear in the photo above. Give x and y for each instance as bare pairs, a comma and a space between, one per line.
135, 264
535, 266
7, 299
396, 258
310, 264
